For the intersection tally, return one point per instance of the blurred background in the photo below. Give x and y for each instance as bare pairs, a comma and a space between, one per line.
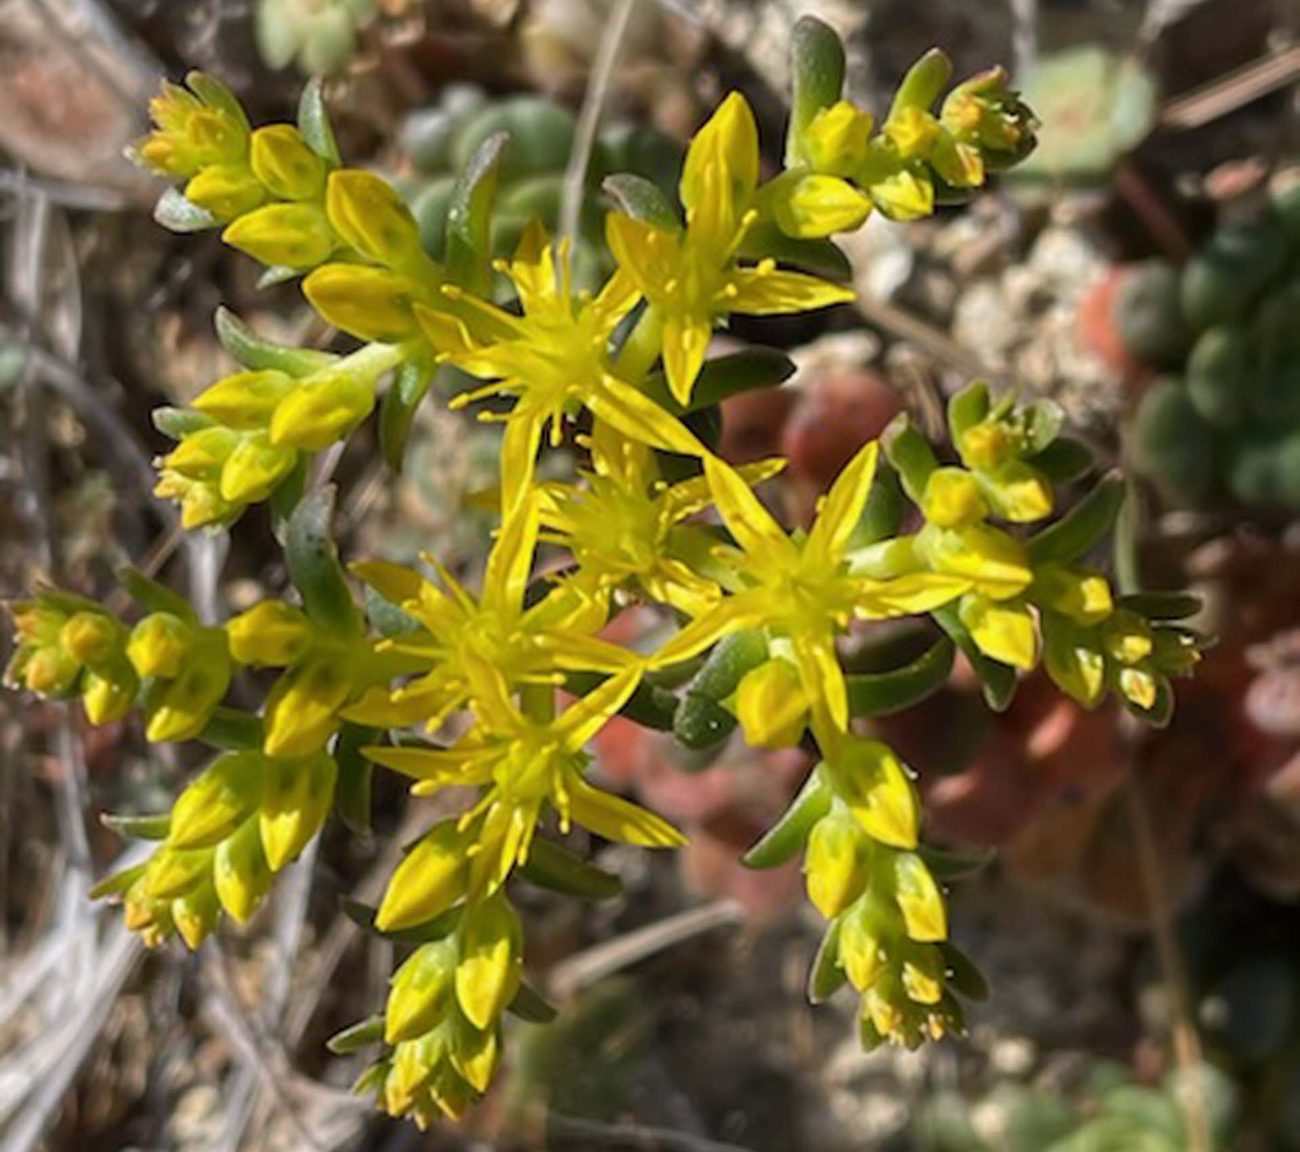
1138, 919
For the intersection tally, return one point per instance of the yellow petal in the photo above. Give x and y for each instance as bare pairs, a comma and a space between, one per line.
727, 142
617, 819
749, 522
764, 290
685, 343
841, 509
639, 418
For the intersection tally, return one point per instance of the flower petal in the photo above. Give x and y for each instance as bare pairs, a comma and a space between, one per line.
617, 819
841, 509
510, 561
582, 720
685, 343
764, 290
750, 523
636, 416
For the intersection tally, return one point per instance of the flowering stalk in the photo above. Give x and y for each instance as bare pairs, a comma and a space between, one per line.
653, 517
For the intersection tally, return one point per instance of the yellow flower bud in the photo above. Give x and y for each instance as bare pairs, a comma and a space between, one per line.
919, 899
957, 163
835, 863
1084, 597
814, 206
953, 499
428, 881
48, 672
218, 801
923, 974
159, 645
281, 159
836, 140
297, 800
200, 455
271, 634
200, 501
475, 1054
901, 195
1076, 668
245, 400
420, 992
181, 708
1139, 687
196, 914
1002, 630
1127, 637
91, 637
370, 217
772, 705
254, 469
321, 413
172, 873
225, 190
1019, 492
861, 949
487, 977
109, 693
913, 133
292, 235
872, 782
369, 303
995, 561
240, 872
987, 445
302, 709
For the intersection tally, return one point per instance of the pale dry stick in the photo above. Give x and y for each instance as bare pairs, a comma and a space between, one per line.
291, 915
81, 197
604, 959
635, 1136
584, 136
1024, 34
261, 1059
1233, 91
336, 942
43, 1070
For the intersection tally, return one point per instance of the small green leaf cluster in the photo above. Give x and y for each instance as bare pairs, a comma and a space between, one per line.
1224, 420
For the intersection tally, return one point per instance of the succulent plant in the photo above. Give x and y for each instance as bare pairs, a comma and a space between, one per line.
1226, 422
1113, 1114
438, 142
1094, 106
319, 35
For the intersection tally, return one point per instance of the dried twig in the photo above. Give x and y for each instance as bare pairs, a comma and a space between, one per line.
1233, 91
634, 1136
584, 138
608, 957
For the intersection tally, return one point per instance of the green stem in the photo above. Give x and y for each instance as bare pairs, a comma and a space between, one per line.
641, 348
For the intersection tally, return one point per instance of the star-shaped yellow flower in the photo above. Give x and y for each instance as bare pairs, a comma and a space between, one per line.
800, 588
523, 764
625, 526
689, 276
481, 647
554, 359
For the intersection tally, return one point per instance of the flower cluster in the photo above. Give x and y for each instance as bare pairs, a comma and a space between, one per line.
495, 694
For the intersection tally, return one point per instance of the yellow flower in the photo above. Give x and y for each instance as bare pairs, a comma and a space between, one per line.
625, 526
476, 646
523, 765
689, 276
801, 588
554, 359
